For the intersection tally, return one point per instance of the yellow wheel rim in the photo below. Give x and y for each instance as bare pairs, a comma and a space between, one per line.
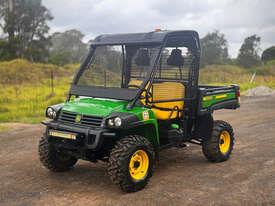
138, 165
225, 141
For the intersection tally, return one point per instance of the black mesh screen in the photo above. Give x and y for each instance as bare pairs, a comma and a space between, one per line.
140, 66
165, 71
172, 72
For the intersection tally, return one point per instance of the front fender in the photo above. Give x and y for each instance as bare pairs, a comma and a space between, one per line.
147, 126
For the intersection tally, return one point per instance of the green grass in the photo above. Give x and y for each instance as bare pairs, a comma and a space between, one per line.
25, 90
27, 103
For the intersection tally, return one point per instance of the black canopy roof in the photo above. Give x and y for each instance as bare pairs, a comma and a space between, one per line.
185, 37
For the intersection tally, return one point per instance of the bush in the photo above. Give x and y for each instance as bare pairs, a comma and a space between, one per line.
268, 54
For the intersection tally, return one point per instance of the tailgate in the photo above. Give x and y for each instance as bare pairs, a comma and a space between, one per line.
218, 97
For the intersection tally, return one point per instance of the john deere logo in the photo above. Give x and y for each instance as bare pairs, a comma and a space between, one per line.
145, 115
78, 118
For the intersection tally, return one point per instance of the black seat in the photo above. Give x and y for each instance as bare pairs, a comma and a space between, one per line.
175, 58
142, 58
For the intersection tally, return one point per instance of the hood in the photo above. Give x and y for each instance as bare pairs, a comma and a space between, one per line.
95, 106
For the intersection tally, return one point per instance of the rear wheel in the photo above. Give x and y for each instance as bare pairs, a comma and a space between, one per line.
131, 163
219, 146
54, 159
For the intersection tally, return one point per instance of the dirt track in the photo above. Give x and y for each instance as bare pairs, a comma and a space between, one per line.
183, 176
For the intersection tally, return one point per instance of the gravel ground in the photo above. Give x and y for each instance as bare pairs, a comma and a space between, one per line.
260, 91
183, 176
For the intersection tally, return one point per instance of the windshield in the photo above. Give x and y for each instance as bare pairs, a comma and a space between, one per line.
118, 66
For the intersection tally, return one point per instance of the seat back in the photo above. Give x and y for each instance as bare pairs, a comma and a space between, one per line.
165, 91
176, 58
168, 91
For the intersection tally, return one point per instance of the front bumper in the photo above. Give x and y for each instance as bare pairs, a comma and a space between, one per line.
86, 137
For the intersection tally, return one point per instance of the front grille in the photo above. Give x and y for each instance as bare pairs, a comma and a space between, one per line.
85, 119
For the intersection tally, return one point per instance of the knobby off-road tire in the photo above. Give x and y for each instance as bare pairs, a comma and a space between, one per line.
120, 166
53, 159
219, 146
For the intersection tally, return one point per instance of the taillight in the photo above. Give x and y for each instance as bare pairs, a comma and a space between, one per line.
238, 95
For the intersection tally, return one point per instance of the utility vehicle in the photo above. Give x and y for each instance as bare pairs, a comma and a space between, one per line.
134, 95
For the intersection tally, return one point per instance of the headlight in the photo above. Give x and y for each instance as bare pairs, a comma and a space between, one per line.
51, 113
114, 122
117, 122
111, 122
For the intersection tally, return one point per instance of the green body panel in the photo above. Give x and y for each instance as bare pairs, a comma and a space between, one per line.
210, 100
104, 107
93, 106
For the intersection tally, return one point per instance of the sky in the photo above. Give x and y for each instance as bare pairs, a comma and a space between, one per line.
237, 19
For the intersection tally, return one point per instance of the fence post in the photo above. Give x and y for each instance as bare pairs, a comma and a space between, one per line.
105, 78
253, 77
52, 86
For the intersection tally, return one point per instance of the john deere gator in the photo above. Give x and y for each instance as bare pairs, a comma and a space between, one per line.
133, 96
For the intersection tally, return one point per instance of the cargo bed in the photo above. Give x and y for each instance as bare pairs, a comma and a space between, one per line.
218, 97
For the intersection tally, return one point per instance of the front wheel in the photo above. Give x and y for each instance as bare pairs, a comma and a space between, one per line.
54, 159
131, 163
218, 147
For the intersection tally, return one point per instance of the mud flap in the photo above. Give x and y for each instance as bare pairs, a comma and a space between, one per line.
204, 126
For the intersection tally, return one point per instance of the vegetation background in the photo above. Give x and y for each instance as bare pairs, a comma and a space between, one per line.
36, 67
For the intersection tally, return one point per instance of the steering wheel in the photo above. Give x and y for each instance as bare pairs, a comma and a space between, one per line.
148, 94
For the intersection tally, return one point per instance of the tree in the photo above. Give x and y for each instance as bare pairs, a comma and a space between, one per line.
25, 24
268, 54
3, 49
67, 47
214, 49
248, 54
